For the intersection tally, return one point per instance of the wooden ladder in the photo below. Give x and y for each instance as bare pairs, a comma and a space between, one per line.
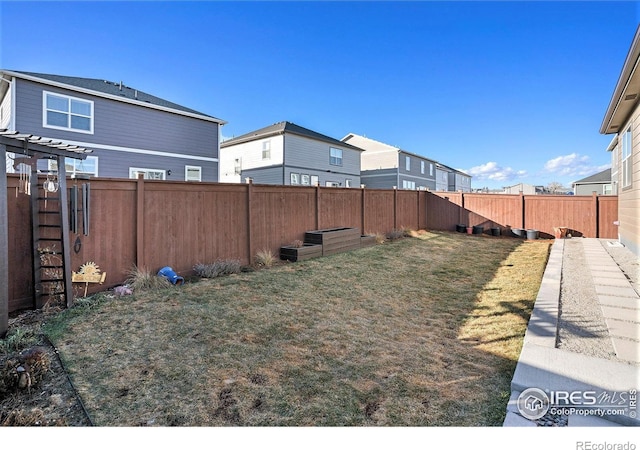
50, 236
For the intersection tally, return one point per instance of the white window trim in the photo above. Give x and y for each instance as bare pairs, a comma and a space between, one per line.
304, 182
69, 98
339, 161
422, 167
186, 172
625, 162
294, 179
134, 170
266, 150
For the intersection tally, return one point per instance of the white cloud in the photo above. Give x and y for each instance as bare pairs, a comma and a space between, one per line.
572, 165
492, 171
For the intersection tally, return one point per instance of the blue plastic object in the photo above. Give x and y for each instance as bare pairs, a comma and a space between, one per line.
170, 275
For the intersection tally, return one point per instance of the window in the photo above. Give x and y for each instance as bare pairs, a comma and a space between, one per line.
335, 156
607, 190
422, 167
67, 113
304, 179
294, 178
408, 184
149, 174
315, 181
407, 163
75, 167
347, 182
430, 169
332, 184
266, 150
626, 159
192, 173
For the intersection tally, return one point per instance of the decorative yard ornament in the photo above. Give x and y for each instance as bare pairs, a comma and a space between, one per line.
89, 273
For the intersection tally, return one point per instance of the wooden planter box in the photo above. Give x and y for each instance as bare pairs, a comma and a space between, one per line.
367, 240
334, 240
294, 254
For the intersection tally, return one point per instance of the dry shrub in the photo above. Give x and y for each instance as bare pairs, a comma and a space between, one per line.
218, 268
142, 279
297, 244
395, 234
24, 371
265, 258
380, 238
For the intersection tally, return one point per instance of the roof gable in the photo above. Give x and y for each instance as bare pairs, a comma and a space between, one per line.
282, 128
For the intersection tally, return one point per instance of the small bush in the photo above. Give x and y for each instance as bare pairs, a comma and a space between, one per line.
265, 258
17, 340
142, 279
381, 238
218, 268
409, 232
395, 234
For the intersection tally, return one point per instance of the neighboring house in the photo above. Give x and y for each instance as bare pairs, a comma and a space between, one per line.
459, 181
129, 132
288, 154
386, 166
443, 173
526, 189
600, 183
622, 118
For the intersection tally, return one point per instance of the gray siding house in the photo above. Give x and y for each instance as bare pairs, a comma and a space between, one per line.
385, 166
129, 132
599, 183
288, 154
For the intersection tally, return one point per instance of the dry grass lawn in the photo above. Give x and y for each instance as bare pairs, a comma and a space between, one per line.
423, 331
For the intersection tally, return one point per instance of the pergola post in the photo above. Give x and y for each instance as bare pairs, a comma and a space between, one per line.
4, 244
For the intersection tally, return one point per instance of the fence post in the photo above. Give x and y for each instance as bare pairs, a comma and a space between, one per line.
461, 214
395, 208
249, 222
4, 248
140, 261
596, 214
522, 213
317, 207
362, 210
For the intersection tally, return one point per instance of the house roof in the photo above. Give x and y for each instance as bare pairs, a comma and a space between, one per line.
626, 93
108, 89
282, 128
600, 177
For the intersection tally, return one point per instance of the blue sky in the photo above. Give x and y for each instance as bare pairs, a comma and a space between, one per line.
508, 91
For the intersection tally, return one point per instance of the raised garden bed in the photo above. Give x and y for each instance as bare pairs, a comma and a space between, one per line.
334, 240
294, 254
367, 240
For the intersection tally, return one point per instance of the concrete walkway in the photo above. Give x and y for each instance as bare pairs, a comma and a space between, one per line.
544, 371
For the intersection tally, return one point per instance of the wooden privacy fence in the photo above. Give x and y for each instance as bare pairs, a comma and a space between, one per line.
588, 216
153, 224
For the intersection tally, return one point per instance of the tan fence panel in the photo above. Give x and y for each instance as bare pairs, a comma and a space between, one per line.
280, 215
379, 214
340, 208
544, 212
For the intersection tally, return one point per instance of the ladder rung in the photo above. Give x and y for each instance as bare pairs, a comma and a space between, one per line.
50, 239
48, 212
50, 266
52, 280
44, 225
48, 198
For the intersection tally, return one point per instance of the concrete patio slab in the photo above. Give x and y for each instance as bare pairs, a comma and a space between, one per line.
625, 302
630, 315
626, 350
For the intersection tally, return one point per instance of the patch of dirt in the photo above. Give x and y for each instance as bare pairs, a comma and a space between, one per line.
47, 399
